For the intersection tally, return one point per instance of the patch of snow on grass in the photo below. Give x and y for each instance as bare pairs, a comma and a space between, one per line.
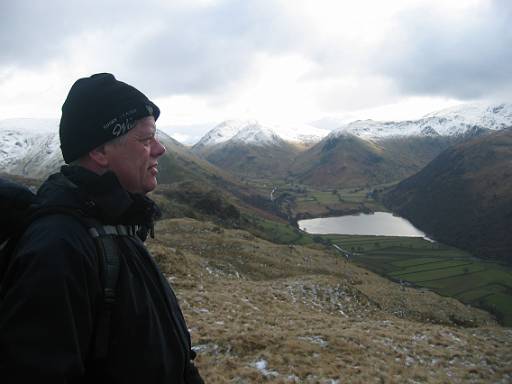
210, 348
262, 365
315, 340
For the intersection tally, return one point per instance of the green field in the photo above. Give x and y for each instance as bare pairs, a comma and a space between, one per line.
282, 233
317, 202
443, 269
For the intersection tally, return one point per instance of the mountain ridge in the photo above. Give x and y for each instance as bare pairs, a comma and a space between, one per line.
255, 133
454, 121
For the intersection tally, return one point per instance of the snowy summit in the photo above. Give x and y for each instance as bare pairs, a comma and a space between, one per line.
29, 146
255, 133
453, 121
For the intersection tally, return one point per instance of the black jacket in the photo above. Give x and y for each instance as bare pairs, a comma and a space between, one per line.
51, 295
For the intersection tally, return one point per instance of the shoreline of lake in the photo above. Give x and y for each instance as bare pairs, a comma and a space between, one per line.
368, 224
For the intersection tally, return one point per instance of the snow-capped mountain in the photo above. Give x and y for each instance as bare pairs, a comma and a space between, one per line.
222, 132
247, 148
29, 147
494, 116
368, 152
455, 121
254, 133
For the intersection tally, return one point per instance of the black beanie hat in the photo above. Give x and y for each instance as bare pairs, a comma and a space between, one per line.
98, 109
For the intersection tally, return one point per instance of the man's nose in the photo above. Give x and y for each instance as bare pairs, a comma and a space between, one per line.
158, 149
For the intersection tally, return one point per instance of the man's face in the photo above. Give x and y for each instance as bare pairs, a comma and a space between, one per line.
133, 157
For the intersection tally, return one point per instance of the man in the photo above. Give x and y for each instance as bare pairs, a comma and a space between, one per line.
52, 298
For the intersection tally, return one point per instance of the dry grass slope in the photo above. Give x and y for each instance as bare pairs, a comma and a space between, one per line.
261, 312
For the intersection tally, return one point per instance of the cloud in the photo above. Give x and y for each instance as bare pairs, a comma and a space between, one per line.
187, 134
192, 47
208, 50
465, 55
34, 32
266, 58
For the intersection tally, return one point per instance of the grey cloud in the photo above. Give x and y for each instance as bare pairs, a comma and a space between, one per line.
465, 59
193, 49
34, 32
26, 34
207, 50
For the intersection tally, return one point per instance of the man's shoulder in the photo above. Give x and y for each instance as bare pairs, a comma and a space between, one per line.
54, 246
57, 230
59, 222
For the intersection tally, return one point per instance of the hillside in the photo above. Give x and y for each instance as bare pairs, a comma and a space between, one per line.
261, 312
464, 196
459, 121
347, 160
30, 147
251, 131
253, 161
247, 149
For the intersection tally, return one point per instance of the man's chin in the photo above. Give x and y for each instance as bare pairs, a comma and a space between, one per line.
150, 186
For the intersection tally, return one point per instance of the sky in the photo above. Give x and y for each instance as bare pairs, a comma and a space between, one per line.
281, 62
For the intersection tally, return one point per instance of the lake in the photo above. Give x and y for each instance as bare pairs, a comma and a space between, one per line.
378, 223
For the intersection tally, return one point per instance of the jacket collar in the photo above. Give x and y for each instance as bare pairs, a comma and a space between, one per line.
99, 196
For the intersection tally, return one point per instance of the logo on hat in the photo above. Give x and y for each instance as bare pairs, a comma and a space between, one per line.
123, 127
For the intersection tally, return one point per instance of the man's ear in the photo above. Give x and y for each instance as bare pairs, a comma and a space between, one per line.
99, 156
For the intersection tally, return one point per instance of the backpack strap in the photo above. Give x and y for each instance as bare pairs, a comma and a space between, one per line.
19, 207
108, 251
107, 247
104, 237
109, 256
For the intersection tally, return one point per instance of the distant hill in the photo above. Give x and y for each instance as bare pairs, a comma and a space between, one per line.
347, 160
253, 132
254, 161
464, 196
30, 147
247, 149
456, 121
